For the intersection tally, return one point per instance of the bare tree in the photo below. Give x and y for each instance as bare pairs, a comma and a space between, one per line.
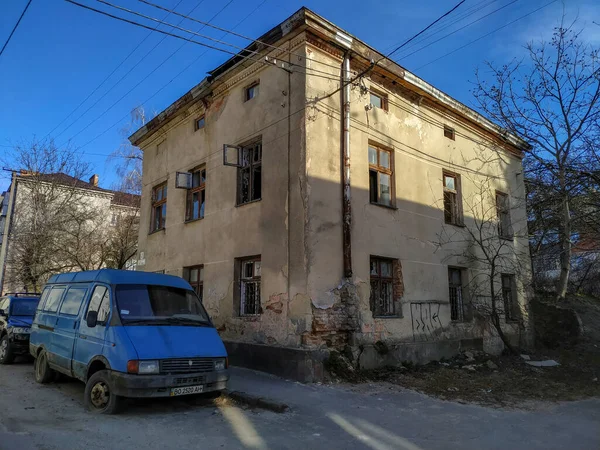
121, 247
551, 99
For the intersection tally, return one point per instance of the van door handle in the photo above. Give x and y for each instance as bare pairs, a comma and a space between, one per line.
81, 336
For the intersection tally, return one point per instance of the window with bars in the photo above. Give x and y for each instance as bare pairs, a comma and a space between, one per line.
159, 207
380, 176
195, 197
511, 306
382, 287
452, 199
250, 174
195, 276
456, 294
503, 212
249, 271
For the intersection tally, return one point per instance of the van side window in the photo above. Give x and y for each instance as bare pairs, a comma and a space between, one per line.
43, 298
54, 299
100, 302
72, 302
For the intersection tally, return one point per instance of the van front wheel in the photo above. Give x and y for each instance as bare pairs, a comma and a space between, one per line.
99, 394
6, 355
43, 373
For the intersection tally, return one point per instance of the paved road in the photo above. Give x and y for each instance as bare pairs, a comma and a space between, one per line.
375, 417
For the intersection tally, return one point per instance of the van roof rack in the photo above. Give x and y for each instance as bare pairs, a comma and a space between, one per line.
22, 294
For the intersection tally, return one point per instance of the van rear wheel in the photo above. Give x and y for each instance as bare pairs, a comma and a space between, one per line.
43, 373
99, 394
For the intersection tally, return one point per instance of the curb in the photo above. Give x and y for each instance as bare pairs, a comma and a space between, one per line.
257, 402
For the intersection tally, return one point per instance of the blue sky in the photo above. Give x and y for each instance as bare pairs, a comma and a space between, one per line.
60, 53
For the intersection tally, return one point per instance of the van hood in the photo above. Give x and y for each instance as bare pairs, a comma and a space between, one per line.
20, 321
164, 342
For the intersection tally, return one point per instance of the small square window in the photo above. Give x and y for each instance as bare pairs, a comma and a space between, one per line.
251, 91
449, 132
378, 100
200, 122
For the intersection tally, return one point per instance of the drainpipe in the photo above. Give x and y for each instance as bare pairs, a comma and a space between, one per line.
346, 205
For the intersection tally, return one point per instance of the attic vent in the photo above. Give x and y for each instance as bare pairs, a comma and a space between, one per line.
343, 39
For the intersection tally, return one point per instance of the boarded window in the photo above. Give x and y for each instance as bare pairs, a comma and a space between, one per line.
382, 299
380, 176
452, 199
195, 196
195, 276
503, 212
159, 207
449, 132
250, 174
249, 290
511, 305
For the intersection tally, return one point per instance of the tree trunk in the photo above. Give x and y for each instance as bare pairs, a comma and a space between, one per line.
565, 254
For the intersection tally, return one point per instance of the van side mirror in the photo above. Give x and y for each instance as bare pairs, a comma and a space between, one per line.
92, 319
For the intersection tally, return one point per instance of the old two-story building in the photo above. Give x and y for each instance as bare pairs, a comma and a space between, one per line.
316, 194
54, 222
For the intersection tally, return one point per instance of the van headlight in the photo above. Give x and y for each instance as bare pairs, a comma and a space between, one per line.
148, 367
220, 364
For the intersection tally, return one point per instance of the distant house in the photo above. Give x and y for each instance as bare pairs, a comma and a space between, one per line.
56, 222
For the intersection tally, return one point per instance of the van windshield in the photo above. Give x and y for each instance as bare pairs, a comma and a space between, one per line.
23, 307
140, 304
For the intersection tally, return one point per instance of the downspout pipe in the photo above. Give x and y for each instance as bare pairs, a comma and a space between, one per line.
346, 199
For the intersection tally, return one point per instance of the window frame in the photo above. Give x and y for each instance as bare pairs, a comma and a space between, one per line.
379, 169
62, 303
201, 190
198, 284
155, 204
383, 98
511, 311
460, 308
504, 210
62, 287
196, 121
449, 132
375, 310
457, 192
252, 165
251, 87
241, 285
104, 322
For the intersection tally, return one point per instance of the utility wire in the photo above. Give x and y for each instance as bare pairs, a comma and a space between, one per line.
486, 35
110, 75
230, 32
15, 27
172, 79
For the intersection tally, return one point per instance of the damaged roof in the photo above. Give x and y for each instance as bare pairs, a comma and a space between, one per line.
321, 27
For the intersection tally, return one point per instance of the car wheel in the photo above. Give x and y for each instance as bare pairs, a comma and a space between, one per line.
99, 394
43, 373
6, 354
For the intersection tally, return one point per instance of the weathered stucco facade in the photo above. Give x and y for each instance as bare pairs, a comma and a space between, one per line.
307, 306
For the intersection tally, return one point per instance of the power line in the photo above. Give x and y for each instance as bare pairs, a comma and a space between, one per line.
172, 79
109, 75
486, 35
229, 32
15, 27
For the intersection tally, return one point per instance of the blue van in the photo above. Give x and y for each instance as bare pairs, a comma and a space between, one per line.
126, 334
16, 315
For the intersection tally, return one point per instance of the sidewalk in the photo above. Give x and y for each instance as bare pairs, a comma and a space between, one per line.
380, 416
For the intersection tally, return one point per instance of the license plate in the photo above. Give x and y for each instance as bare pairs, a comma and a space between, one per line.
187, 390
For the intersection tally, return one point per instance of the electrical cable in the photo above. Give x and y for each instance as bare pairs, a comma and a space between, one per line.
15, 27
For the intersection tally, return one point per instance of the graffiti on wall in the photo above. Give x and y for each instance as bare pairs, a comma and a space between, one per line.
426, 321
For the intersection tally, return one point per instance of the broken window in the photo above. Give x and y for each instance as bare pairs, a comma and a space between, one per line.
449, 132
159, 207
195, 276
382, 287
251, 91
249, 271
200, 122
195, 197
455, 283
378, 100
503, 212
511, 306
250, 174
380, 176
452, 200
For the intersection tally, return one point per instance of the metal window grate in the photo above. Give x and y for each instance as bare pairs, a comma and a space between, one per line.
382, 287
250, 297
457, 310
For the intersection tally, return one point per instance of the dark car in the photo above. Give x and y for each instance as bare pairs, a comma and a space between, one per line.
16, 316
